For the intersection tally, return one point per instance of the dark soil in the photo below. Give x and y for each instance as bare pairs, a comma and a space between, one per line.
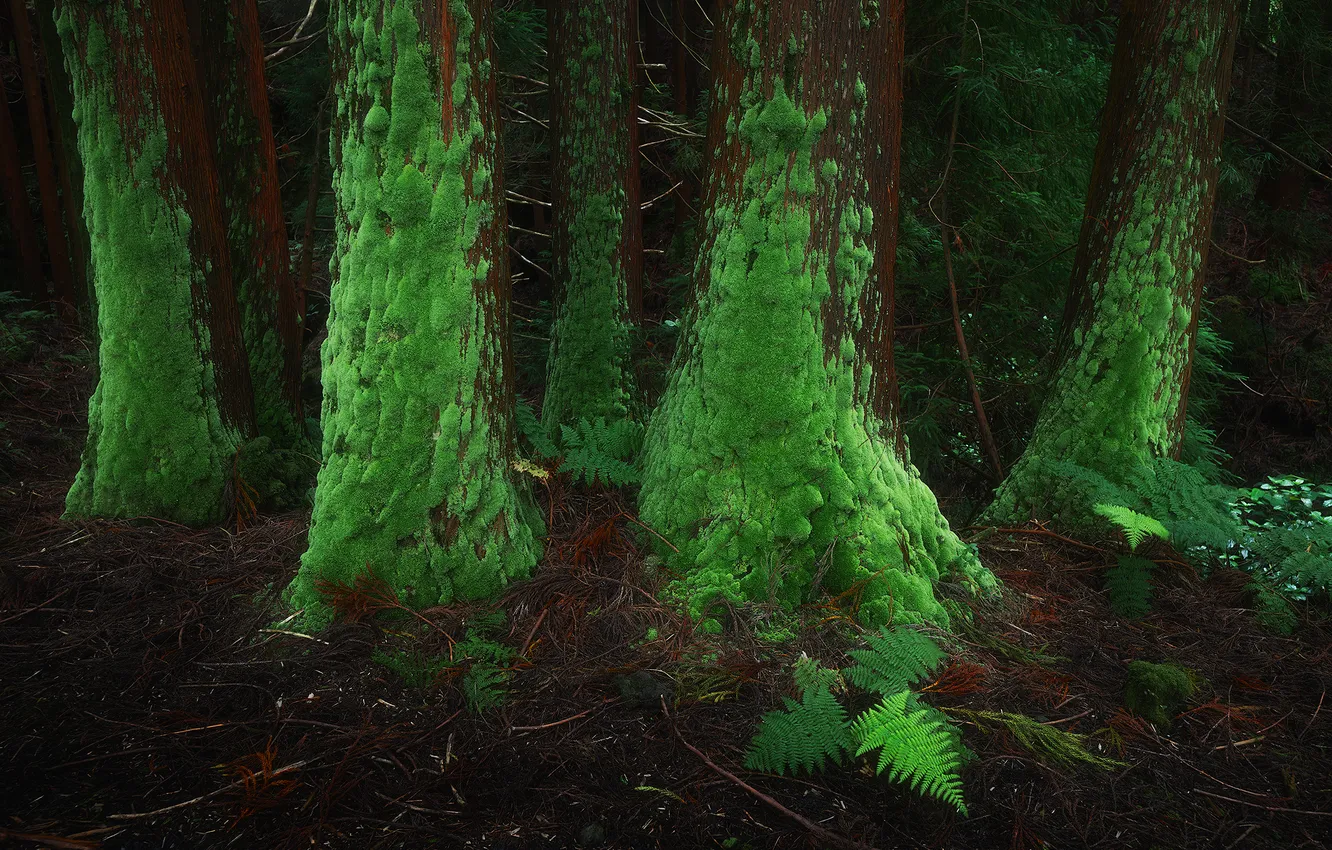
149, 700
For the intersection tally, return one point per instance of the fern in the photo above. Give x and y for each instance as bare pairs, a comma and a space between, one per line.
595, 451
804, 736
1136, 527
917, 745
530, 428
895, 661
1129, 587
913, 747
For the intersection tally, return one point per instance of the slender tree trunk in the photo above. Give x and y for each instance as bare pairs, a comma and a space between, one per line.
32, 282
62, 277
313, 190
229, 53
417, 484
597, 239
173, 397
64, 136
1118, 401
770, 462
683, 65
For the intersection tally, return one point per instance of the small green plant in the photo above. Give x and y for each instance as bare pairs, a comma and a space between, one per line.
603, 452
916, 743
1129, 587
1135, 526
1157, 692
483, 662
1053, 746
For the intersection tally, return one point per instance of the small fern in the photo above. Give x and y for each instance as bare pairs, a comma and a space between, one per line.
804, 736
895, 661
1129, 587
1054, 746
1136, 527
917, 745
595, 451
531, 429
913, 746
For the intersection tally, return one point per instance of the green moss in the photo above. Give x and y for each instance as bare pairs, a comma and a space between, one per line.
157, 444
1157, 692
763, 464
1118, 398
589, 375
415, 484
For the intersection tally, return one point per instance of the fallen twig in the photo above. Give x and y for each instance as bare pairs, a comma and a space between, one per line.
238, 783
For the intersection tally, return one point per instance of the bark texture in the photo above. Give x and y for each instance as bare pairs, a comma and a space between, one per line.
417, 483
1119, 398
229, 53
770, 463
597, 240
173, 398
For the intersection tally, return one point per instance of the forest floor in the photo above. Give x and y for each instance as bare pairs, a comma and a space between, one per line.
149, 697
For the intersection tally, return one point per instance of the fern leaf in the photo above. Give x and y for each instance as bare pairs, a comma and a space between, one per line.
803, 737
914, 748
530, 428
595, 451
895, 660
1136, 527
1128, 586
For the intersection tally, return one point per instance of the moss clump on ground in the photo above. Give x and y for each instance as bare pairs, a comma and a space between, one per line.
1157, 692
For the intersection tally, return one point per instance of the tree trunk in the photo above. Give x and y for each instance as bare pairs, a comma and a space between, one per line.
417, 484
597, 245
32, 283
1119, 398
770, 463
64, 136
229, 54
172, 401
62, 277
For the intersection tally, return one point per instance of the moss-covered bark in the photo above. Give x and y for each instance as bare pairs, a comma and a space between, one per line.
770, 462
596, 257
173, 397
416, 483
1118, 400
229, 52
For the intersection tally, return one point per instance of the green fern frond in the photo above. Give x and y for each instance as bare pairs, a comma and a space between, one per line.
803, 737
913, 747
809, 674
1129, 587
530, 428
597, 451
1136, 527
896, 659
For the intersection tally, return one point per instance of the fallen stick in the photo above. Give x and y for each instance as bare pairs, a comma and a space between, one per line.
828, 837
238, 783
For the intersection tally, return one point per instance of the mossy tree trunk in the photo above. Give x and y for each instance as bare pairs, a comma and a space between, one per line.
173, 396
1119, 397
417, 484
229, 53
597, 245
771, 462
62, 276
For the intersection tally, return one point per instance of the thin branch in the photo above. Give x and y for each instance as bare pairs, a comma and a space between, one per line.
1274, 146
309, 13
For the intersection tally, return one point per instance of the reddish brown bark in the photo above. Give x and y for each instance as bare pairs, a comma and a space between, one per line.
229, 55
21, 223
47, 183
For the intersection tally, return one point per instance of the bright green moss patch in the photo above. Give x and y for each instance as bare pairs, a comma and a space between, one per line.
416, 483
157, 443
1157, 692
763, 464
